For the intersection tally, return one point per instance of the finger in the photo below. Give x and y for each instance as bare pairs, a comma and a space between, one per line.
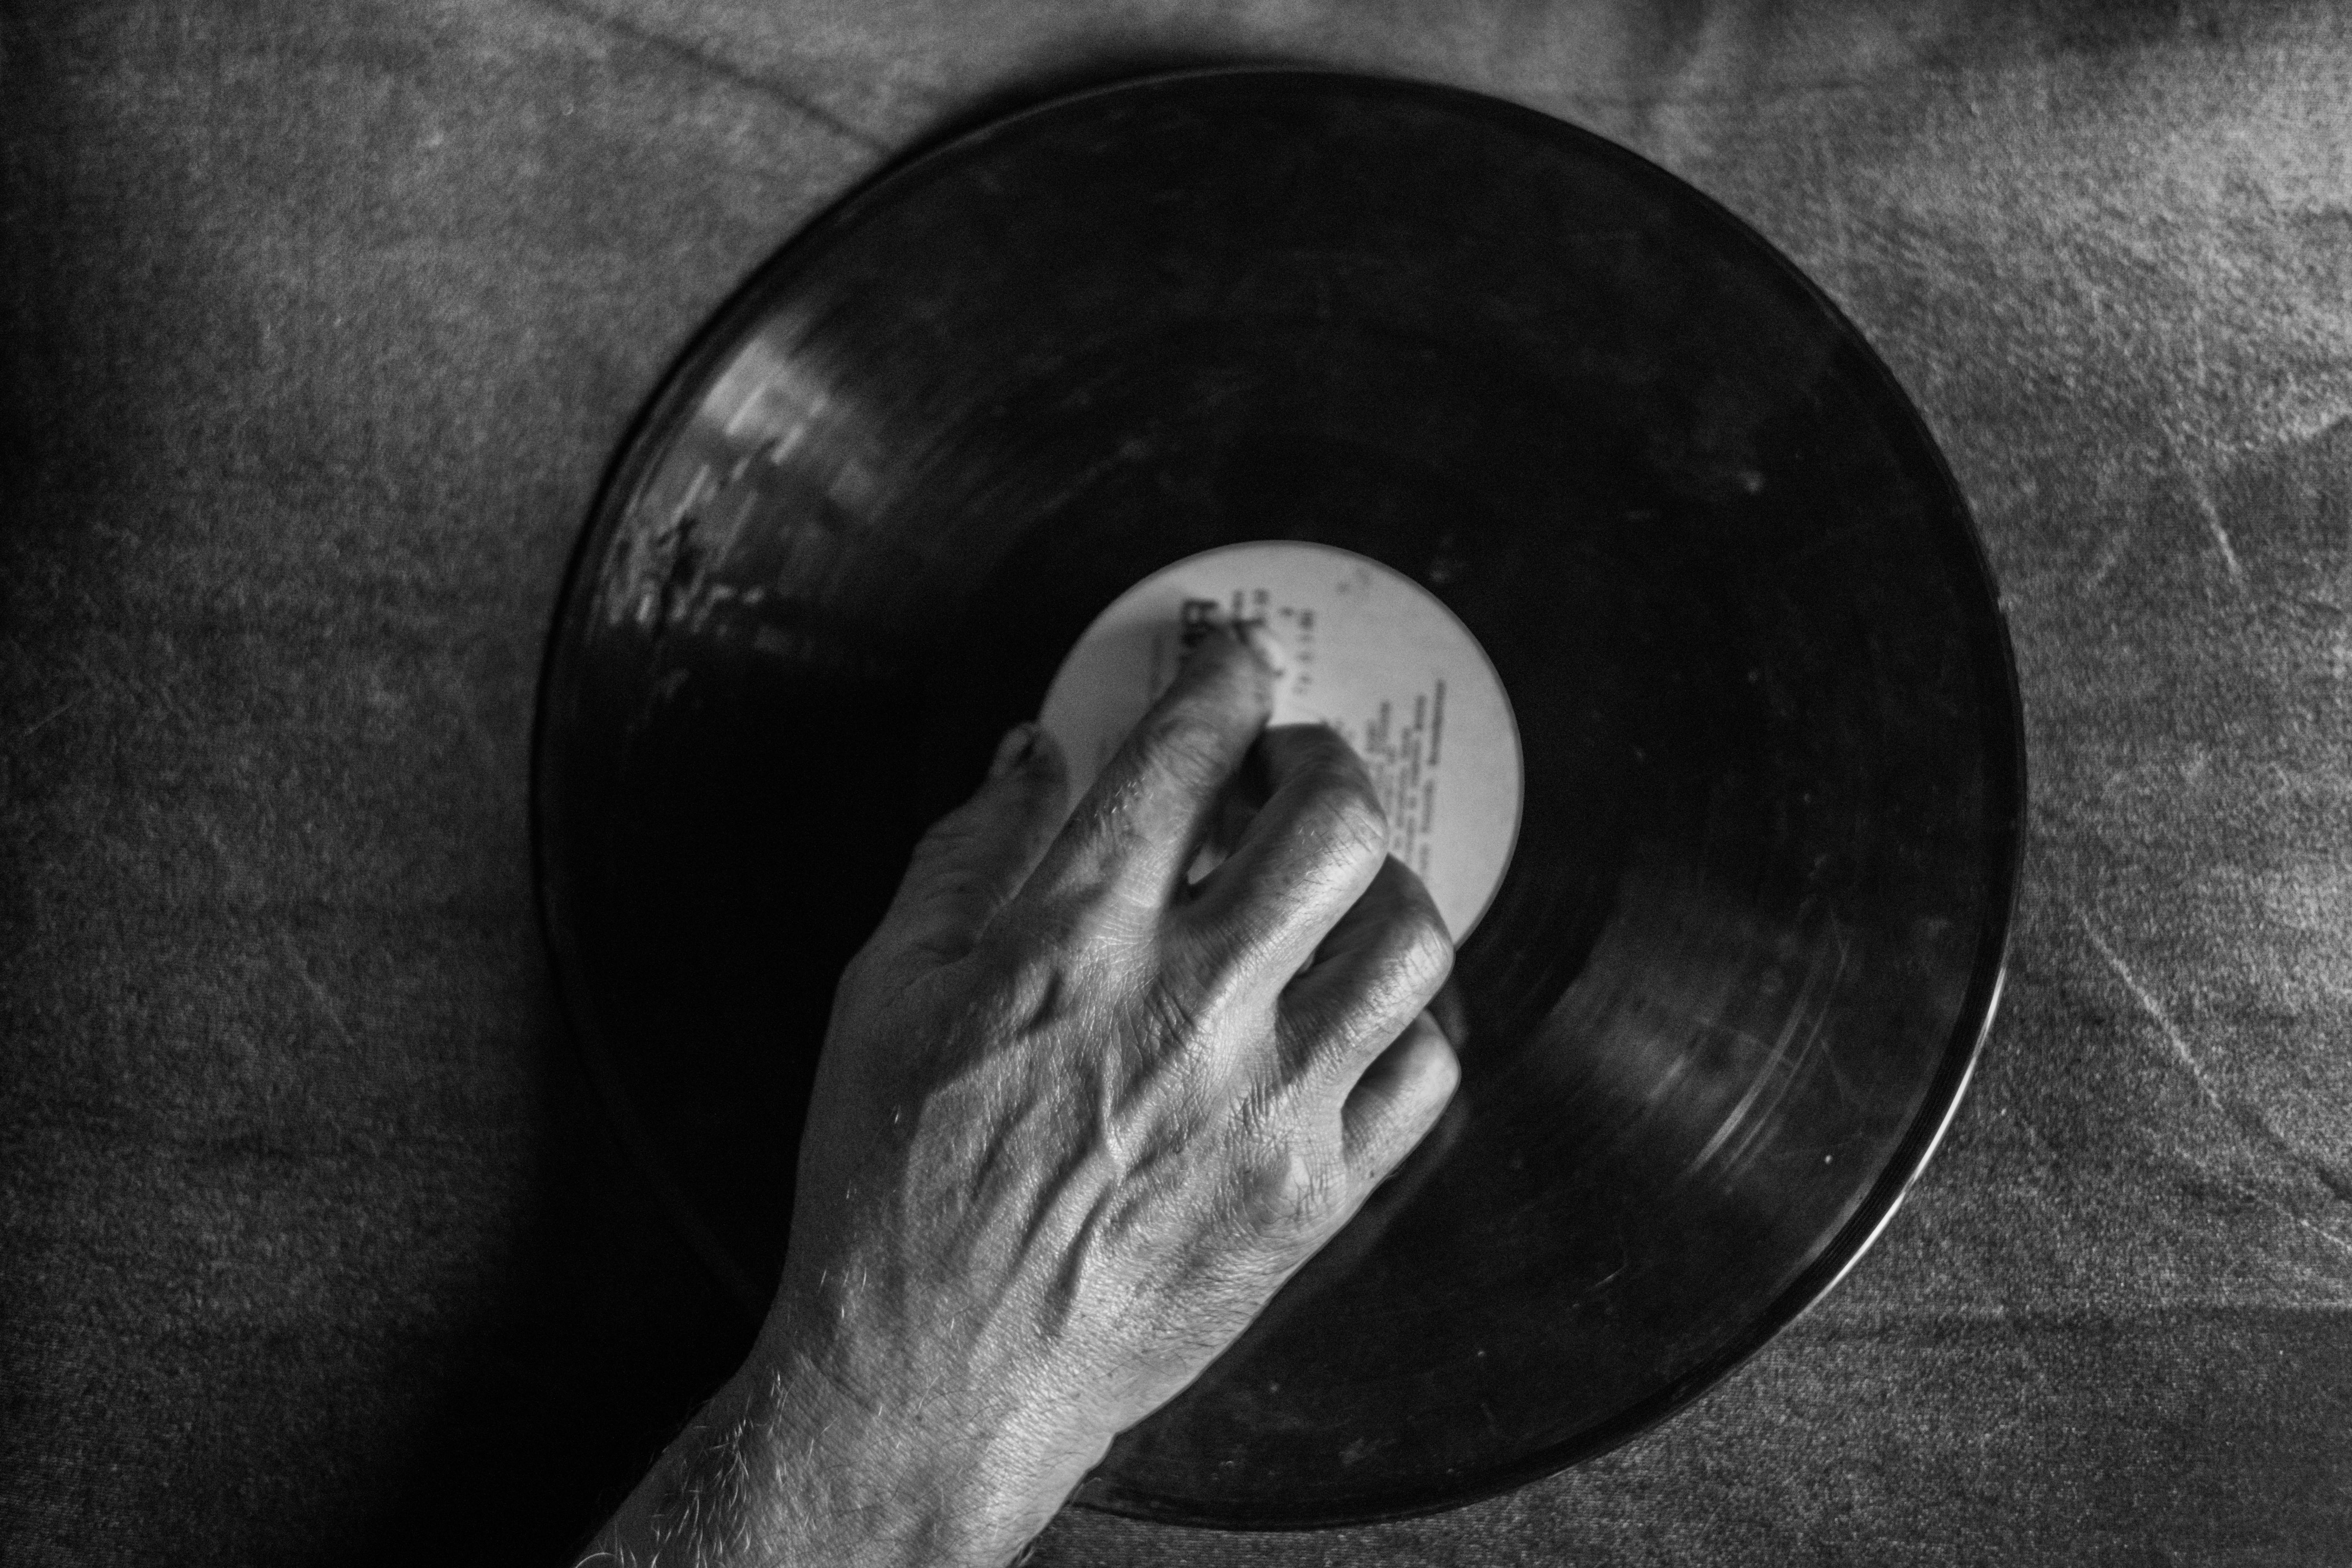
1398, 1100
1382, 966
1140, 825
1307, 855
977, 858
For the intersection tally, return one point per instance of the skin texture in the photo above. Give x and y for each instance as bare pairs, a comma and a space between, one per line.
1077, 1118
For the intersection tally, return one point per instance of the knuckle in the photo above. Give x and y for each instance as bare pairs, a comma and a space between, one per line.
1210, 982
1290, 1194
1181, 741
1177, 1006
1099, 938
1421, 950
1222, 670
1350, 810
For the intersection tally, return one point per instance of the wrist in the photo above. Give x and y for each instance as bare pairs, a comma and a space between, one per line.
850, 1475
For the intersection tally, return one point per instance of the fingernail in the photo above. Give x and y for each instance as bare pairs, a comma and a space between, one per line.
1259, 638
1013, 750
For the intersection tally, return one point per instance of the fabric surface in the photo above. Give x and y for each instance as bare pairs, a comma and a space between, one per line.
318, 322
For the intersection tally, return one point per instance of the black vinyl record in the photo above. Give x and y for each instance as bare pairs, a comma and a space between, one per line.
1730, 989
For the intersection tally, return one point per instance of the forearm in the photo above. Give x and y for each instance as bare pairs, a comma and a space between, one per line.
784, 1467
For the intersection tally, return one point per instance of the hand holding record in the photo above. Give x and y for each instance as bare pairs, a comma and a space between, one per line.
1077, 1118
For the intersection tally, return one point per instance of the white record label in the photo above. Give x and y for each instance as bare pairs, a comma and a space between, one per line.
1371, 653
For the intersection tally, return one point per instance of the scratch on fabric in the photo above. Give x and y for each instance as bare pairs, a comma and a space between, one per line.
2155, 1010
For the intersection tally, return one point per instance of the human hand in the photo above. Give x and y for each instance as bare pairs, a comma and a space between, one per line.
1077, 1119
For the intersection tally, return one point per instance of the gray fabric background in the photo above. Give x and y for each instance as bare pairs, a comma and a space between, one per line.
317, 324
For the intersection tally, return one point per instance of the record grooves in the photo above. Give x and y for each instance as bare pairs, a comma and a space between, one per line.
1729, 992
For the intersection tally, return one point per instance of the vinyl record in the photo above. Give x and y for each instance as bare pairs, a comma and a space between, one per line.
1749, 923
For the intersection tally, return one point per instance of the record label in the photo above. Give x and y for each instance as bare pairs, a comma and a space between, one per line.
1370, 652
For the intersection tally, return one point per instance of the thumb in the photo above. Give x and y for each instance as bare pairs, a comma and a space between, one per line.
975, 858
